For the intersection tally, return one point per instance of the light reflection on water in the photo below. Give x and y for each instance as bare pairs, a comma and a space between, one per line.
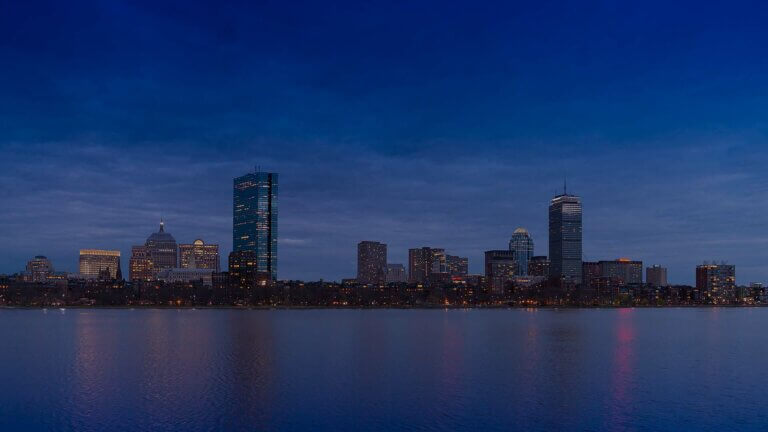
532, 369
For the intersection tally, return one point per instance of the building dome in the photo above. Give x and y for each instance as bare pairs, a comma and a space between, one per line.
521, 231
161, 236
198, 242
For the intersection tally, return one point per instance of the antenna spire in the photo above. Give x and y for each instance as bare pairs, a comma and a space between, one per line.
565, 185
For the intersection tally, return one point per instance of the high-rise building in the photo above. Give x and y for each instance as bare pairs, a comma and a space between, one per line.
622, 270
656, 276
538, 266
95, 263
565, 237
371, 262
140, 266
426, 265
522, 244
456, 265
396, 273
159, 252
717, 280
38, 269
199, 255
500, 269
162, 249
254, 219
244, 271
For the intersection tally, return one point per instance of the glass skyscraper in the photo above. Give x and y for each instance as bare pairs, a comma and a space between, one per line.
254, 219
522, 245
565, 237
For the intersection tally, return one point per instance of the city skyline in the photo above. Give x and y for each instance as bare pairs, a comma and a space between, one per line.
451, 128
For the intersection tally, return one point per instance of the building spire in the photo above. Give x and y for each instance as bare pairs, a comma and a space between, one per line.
162, 225
565, 185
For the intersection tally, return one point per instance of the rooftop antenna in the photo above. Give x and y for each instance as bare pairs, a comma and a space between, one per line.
565, 186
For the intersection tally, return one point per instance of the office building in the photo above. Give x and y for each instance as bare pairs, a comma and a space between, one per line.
199, 255
716, 280
456, 265
538, 266
244, 271
426, 265
371, 262
656, 276
565, 237
38, 269
500, 269
186, 275
254, 219
101, 264
522, 244
396, 273
139, 266
623, 270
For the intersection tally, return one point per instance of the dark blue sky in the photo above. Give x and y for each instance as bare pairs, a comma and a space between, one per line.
446, 124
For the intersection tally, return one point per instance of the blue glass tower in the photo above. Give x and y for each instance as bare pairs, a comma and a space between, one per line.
254, 219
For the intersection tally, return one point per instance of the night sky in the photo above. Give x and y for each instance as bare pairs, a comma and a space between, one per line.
440, 124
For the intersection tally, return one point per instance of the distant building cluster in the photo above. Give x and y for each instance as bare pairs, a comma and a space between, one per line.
190, 273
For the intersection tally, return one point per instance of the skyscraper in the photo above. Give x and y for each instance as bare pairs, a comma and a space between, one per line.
426, 264
716, 280
565, 237
95, 263
199, 255
162, 249
371, 262
656, 276
456, 265
522, 245
158, 252
500, 269
254, 219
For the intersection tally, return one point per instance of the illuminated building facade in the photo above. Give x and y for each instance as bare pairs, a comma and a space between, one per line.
623, 270
522, 244
426, 264
565, 237
199, 255
254, 218
656, 276
371, 262
38, 269
716, 280
140, 266
244, 271
457, 266
500, 269
94, 263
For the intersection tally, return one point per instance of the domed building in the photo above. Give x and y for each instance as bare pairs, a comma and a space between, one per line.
162, 249
159, 252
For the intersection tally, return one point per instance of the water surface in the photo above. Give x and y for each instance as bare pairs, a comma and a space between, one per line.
199, 370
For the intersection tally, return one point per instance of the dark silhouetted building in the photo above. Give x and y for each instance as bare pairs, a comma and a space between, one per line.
254, 219
371, 262
565, 237
500, 269
199, 255
244, 271
538, 266
457, 266
396, 273
656, 276
93, 262
522, 244
426, 265
624, 270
